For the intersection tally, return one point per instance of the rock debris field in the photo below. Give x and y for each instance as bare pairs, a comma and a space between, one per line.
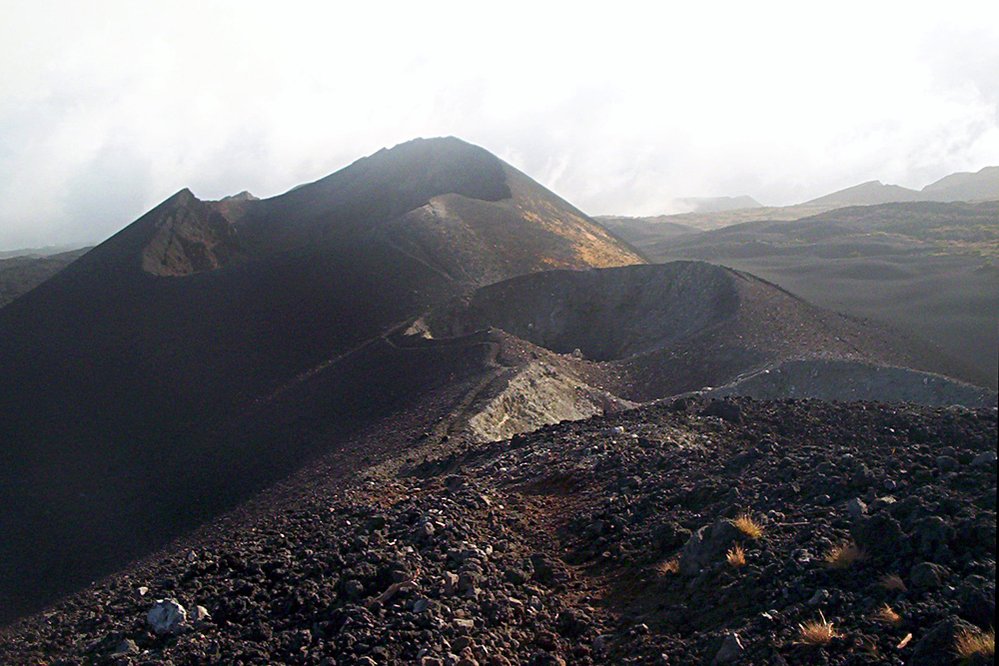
684, 532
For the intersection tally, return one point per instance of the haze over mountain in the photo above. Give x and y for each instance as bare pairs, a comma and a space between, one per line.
982, 185
717, 204
929, 269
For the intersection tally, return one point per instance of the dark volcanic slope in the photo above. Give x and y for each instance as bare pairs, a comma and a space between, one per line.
928, 269
602, 541
126, 374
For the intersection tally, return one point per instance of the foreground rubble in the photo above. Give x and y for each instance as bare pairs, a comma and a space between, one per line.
684, 532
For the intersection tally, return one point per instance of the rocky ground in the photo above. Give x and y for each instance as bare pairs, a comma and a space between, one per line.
613, 540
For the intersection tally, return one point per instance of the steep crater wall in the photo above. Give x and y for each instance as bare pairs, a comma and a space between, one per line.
606, 314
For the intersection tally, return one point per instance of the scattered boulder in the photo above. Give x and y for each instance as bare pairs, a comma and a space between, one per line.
936, 647
167, 616
725, 410
707, 546
731, 649
856, 508
927, 576
984, 459
880, 536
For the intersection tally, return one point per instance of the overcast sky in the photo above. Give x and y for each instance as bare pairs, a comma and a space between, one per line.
106, 108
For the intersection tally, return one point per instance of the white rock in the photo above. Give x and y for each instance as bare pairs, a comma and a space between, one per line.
167, 616
199, 614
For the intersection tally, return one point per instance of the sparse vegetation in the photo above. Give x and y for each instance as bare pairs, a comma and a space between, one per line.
870, 647
973, 644
670, 567
887, 615
736, 556
748, 526
892, 582
816, 632
844, 555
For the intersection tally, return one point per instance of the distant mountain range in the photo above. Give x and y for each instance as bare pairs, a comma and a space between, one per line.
982, 185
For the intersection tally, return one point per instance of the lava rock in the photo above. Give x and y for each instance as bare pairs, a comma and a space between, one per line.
707, 545
725, 410
731, 649
927, 576
167, 616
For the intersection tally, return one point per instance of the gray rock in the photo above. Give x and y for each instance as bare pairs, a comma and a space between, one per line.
937, 645
706, 546
820, 597
984, 459
880, 536
947, 464
731, 649
725, 410
934, 534
353, 588
856, 508
927, 576
167, 616
126, 647
978, 601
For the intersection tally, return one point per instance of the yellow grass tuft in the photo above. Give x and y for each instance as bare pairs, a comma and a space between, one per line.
892, 582
670, 567
974, 644
844, 555
816, 632
888, 615
748, 526
736, 556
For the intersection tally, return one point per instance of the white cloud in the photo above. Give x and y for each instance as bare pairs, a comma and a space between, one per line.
108, 107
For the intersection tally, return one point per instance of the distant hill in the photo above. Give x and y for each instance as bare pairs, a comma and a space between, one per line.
982, 185
20, 274
865, 194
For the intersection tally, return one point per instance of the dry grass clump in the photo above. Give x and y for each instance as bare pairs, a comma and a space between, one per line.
892, 582
670, 567
736, 556
844, 555
972, 644
888, 615
748, 526
816, 632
